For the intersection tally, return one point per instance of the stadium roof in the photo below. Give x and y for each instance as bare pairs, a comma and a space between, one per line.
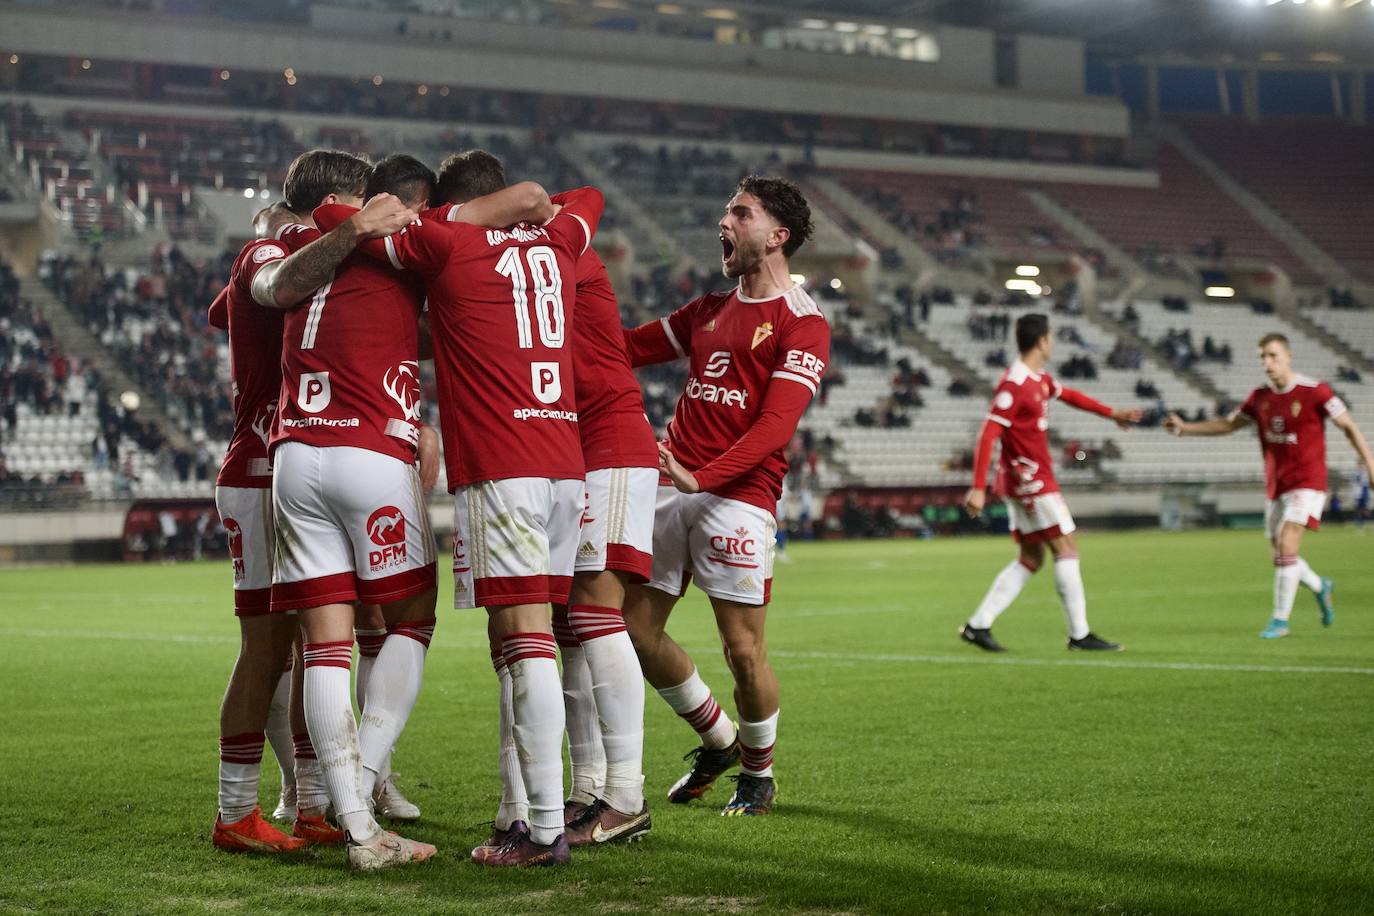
1196, 28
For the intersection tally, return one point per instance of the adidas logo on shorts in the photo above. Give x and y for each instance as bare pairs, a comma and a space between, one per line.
746, 584
587, 550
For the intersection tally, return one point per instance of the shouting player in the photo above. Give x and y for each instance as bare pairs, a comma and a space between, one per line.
756, 356
1290, 413
1020, 419
243, 496
352, 523
501, 306
603, 687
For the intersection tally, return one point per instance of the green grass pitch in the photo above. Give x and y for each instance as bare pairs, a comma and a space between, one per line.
1202, 771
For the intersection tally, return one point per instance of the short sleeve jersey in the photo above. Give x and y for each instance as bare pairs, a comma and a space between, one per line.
350, 370
501, 306
1021, 404
255, 336
737, 347
1292, 433
615, 432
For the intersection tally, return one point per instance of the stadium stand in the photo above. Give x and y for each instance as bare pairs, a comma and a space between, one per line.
1315, 173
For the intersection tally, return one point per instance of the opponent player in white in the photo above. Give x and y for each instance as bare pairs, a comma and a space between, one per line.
756, 358
1290, 414
1019, 418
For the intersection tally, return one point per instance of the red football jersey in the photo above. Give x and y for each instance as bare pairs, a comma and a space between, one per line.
350, 370
1292, 432
1022, 405
738, 349
255, 335
501, 307
610, 405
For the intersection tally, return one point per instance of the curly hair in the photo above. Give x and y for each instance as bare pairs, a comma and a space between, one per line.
784, 202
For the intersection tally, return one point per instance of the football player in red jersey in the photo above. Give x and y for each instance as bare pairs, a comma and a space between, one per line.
603, 687
1019, 417
243, 496
349, 508
1290, 414
756, 356
513, 454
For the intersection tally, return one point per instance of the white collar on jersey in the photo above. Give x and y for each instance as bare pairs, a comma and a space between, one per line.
1298, 379
1026, 369
739, 294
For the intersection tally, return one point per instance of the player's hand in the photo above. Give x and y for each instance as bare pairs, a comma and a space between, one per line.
1126, 418
1173, 425
381, 216
974, 500
427, 456
682, 478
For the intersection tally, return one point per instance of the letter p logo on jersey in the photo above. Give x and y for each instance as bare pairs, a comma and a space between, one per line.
546, 382
313, 394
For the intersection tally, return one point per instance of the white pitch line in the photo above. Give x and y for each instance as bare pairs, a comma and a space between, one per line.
1071, 663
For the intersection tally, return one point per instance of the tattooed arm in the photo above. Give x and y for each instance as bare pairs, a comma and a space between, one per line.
286, 283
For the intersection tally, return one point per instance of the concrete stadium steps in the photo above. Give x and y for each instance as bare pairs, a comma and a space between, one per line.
1354, 328
1148, 455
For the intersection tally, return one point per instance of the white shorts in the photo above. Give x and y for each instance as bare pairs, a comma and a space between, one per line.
246, 513
726, 544
352, 526
1301, 507
515, 541
1036, 519
618, 524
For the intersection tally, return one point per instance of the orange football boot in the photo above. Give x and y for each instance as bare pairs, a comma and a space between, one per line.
317, 831
253, 834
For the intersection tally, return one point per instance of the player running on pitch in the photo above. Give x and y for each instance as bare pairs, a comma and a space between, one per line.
1290, 413
756, 358
1019, 418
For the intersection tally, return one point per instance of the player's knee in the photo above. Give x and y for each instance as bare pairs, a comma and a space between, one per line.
745, 655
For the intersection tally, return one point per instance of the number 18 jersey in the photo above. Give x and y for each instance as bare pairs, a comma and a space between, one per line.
501, 308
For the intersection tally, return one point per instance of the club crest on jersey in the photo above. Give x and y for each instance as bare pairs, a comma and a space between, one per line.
386, 528
1297, 408
402, 385
313, 394
761, 333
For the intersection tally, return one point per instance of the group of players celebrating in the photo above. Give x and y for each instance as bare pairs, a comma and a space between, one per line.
573, 527
563, 498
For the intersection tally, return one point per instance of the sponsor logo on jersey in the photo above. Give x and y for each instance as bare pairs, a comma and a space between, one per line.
234, 532
386, 527
717, 364
804, 363
546, 382
268, 253
698, 390
402, 385
521, 233
539, 413
1277, 433
737, 549
305, 422
762, 333
262, 422
313, 393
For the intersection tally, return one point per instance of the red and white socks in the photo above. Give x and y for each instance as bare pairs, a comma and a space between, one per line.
1287, 576
393, 686
515, 803
617, 687
334, 733
370, 644
240, 762
692, 701
1068, 580
538, 722
312, 796
1003, 592
585, 751
756, 740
